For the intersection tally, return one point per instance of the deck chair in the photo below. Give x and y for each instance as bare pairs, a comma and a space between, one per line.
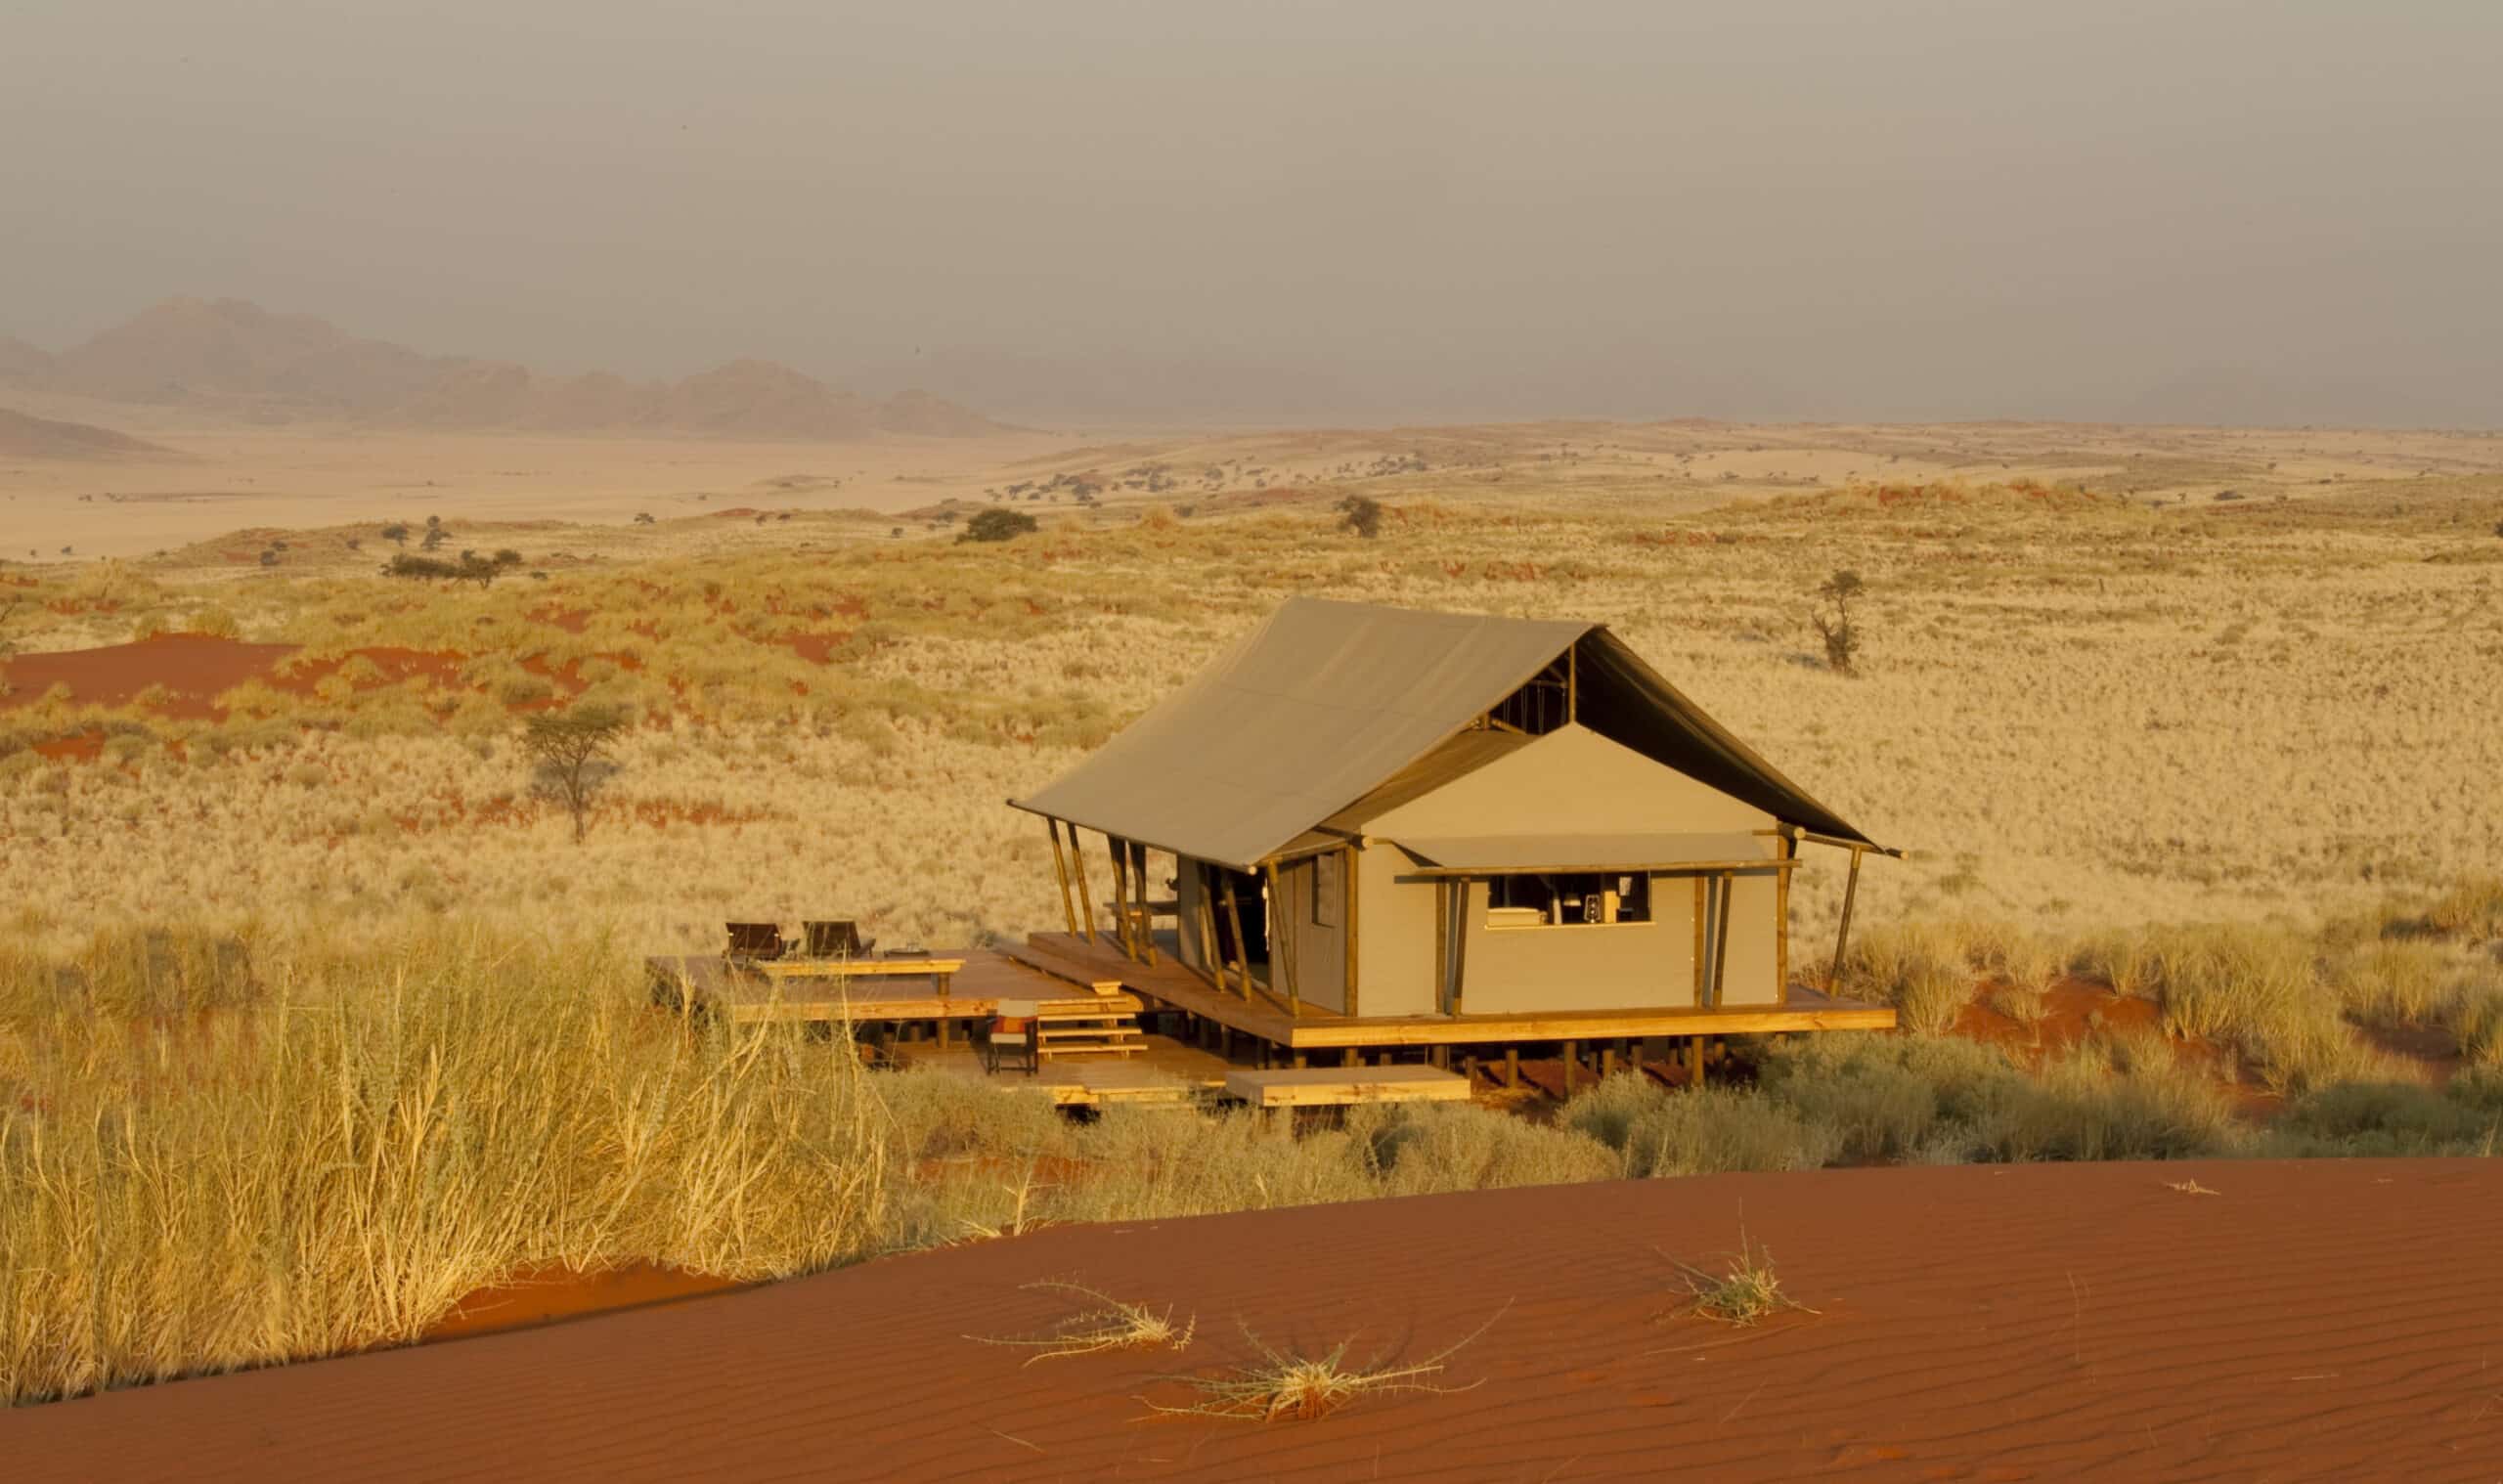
752, 941
835, 937
1010, 1037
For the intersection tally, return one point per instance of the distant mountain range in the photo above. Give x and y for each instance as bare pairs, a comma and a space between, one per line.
233, 357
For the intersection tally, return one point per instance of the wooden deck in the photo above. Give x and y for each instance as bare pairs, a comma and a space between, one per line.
711, 985
1168, 982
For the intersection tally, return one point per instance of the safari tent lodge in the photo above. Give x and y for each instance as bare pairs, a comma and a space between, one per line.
1365, 828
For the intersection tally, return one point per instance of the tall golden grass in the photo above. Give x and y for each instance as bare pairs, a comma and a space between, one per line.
206, 1164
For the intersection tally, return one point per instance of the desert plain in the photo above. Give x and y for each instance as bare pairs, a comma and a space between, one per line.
318, 1025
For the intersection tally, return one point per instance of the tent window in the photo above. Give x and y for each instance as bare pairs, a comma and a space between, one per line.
1567, 900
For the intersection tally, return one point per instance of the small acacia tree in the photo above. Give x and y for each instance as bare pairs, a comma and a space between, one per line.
1362, 514
572, 754
1834, 621
1003, 524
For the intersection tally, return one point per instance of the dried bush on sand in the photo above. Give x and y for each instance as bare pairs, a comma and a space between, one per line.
1108, 1325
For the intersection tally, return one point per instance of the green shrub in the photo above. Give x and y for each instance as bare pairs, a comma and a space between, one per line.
1655, 1131
998, 523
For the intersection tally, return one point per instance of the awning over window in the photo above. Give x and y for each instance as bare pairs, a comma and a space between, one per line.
1518, 854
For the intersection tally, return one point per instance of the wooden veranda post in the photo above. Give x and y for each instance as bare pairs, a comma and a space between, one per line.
1842, 933
1347, 887
1059, 870
1784, 850
1146, 922
1282, 954
1721, 936
1120, 897
1209, 959
1085, 898
1234, 922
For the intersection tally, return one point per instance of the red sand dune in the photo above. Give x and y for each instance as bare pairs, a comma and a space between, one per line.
2333, 1319
191, 671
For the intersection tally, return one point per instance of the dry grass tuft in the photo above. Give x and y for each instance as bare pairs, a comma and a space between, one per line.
1110, 1325
1744, 1294
1284, 1386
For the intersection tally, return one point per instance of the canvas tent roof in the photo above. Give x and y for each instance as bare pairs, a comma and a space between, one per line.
1325, 702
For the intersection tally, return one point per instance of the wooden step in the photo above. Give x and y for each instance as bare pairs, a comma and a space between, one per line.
1116, 1048
1073, 1034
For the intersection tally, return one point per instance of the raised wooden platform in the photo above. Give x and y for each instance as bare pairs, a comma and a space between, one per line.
1337, 1087
1168, 982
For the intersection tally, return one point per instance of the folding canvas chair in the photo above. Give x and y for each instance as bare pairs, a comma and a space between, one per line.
1010, 1037
835, 937
752, 941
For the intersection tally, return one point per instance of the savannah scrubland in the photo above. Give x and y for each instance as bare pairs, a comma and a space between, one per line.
2235, 761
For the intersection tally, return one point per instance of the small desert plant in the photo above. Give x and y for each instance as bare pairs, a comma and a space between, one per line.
1835, 622
1362, 514
1746, 1292
1000, 524
1285, 1386
1110, 1324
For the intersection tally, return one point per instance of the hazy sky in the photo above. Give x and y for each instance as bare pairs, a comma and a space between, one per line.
1081, 209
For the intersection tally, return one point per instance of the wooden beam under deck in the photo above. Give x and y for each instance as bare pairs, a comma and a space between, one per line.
1174, 984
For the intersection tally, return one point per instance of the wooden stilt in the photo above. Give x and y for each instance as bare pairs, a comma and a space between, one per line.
1694, 1061
1572, 1063
1512, 1066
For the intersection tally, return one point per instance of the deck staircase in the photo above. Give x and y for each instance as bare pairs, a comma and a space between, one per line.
1066, 1029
